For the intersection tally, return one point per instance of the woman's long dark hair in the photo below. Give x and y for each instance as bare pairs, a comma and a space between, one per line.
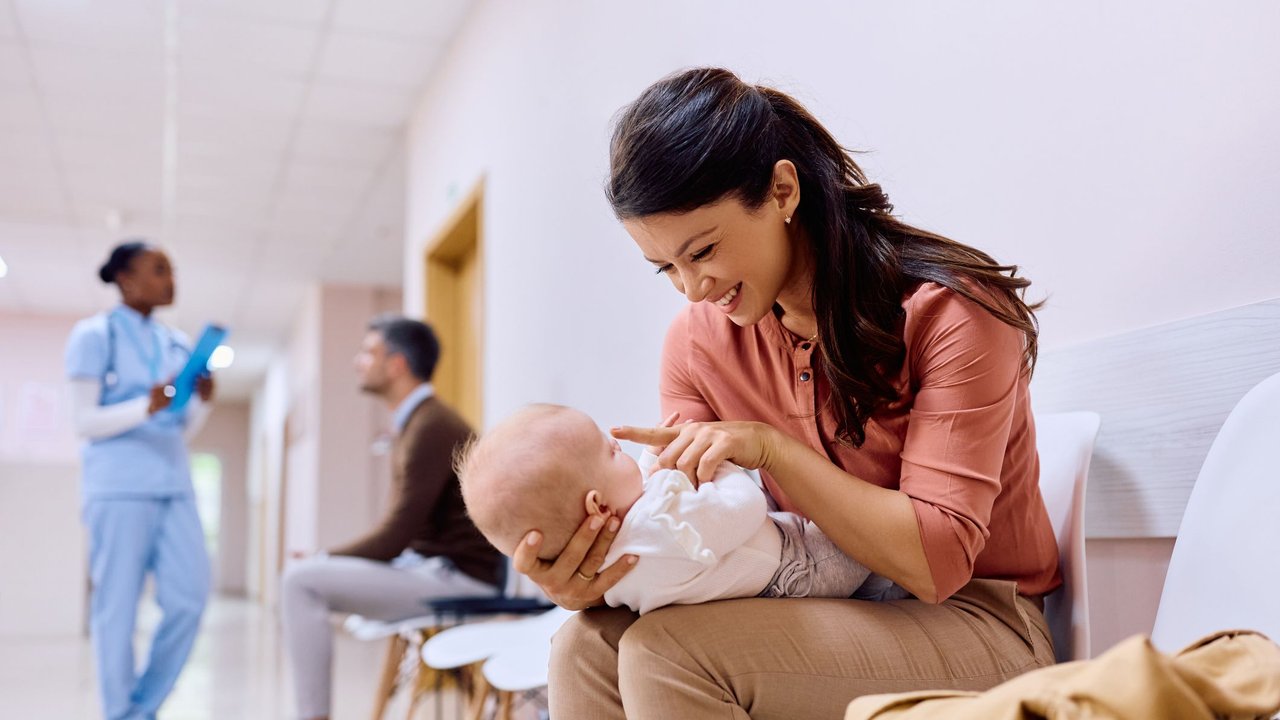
702, 135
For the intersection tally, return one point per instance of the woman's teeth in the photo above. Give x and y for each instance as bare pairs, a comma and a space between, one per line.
729, 296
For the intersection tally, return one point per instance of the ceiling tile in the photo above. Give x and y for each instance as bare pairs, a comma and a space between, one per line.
8, 29
358, 105
14, 71
111, 118
378, 60
117, 75
314, 177
255, 47
222, 93
20, 108
337, 143
231, 256
76, 150
410, 18
215, 239
22, 202
299, 12
234, 132
36, 170
130, 25
25, 146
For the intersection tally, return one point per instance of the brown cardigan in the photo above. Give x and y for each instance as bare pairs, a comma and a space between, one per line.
427, 514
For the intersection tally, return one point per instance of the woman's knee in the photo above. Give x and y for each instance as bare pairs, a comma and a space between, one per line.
588, 638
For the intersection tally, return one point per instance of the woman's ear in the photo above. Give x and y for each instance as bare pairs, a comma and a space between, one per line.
595, 505
786, 188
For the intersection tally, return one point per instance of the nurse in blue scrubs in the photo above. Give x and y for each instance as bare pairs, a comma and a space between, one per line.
138, 504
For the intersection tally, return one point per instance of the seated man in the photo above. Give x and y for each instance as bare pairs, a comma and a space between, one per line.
426, 548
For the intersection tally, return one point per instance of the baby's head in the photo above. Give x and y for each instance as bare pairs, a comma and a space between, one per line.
544, 468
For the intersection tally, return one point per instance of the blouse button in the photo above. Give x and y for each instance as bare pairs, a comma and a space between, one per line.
804, 376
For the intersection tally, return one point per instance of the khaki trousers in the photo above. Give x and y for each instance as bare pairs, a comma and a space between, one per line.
767, 658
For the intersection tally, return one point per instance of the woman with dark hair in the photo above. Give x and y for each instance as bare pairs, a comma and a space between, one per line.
138, 504
876, 374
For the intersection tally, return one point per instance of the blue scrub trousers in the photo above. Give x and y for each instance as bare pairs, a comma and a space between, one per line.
129, 537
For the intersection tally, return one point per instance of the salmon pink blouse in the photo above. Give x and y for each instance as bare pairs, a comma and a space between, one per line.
963, 449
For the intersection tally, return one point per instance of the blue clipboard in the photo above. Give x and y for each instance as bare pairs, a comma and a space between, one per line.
198, 364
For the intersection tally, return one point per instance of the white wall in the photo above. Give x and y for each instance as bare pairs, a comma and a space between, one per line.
226, 435
333, 487
1124, 155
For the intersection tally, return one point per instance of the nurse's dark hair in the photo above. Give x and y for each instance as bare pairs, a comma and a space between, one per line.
414, 340
704, 135
121, 257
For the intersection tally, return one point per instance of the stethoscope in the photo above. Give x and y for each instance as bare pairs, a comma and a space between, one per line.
111, 378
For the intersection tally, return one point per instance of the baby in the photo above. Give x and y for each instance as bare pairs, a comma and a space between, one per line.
548, 467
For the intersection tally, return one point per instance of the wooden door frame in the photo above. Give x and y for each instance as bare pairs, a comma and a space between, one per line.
459, 235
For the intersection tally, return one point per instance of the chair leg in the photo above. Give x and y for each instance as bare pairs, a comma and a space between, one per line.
477, 691
416, 694
390, 669
504, 705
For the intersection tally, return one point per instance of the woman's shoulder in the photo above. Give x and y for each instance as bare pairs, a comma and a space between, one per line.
90, 329
930, 303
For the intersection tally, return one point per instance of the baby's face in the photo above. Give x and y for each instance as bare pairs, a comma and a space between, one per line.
611, 471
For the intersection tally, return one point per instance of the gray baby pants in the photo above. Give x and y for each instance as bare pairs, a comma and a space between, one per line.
812, 566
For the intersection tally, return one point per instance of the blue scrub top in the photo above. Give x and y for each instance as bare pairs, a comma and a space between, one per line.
128, 354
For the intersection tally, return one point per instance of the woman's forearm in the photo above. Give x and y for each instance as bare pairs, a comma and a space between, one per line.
93, 421
876, 526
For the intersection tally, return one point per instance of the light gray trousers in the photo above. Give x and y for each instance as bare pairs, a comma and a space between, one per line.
315, 587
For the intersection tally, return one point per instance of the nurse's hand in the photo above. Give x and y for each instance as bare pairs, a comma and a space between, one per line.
573, 580
160, 398
698, 448
204, 386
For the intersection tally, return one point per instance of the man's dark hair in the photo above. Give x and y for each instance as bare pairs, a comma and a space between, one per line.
412, 339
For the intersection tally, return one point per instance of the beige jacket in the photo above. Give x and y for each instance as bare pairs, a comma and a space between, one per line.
1231, 674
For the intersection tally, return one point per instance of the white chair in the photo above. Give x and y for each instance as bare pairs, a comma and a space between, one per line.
515, 654
1222, 574
1065, 443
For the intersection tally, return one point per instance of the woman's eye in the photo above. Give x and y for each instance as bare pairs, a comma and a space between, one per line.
663, 269
704, 253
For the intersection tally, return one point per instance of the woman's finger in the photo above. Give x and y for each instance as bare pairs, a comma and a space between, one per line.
676, 447
646, 436
590, 565
710, 462
604, 581
688, 461
570, 559
525, 560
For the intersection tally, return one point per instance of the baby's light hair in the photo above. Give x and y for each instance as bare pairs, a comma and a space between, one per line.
529, 472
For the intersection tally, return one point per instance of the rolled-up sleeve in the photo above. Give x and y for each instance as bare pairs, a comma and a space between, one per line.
967, 365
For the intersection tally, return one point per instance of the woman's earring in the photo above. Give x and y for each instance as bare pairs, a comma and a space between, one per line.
787, 220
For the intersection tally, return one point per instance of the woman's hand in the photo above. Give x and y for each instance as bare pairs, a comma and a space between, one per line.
698, 448
573, 580
205, 387
161, 396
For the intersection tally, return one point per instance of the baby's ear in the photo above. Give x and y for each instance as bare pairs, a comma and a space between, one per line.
595, 505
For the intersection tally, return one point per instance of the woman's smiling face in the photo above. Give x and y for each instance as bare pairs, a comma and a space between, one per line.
738, 258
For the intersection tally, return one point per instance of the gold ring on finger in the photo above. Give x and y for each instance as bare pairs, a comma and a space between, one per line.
588, 578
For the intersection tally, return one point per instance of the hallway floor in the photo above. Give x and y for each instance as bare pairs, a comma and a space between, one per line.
236, 672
